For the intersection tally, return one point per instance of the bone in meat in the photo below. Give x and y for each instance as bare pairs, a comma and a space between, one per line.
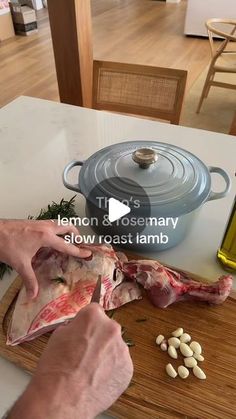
165, 286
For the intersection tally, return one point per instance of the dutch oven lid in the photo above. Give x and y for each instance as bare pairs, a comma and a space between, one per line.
174, 179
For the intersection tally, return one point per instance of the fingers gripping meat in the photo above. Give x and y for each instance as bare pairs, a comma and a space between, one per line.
66, 284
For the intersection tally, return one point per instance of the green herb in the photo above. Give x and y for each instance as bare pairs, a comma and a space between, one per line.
141, 320
59, 280
123, 330
4, 269
64, 209
129, 342
110, 313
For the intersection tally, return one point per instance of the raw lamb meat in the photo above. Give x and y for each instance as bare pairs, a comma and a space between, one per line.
165, 286
66, 284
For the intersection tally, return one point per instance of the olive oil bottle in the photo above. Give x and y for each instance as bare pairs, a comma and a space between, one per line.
227, 252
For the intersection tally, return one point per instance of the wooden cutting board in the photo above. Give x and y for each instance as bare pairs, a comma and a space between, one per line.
152, 394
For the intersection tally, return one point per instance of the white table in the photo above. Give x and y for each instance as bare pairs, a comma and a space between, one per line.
38, 138
199, 11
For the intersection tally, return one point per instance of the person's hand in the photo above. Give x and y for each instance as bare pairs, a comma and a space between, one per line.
20, 241
85, 367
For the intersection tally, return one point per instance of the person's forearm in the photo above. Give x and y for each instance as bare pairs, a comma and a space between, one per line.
30, 405
46, 400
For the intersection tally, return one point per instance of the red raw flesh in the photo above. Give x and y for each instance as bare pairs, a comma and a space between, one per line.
57, 303
165, 286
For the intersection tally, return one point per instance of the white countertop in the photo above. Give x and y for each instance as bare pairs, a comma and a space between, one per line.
38, 138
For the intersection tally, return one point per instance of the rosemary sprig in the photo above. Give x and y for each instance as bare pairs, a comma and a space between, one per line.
129, 342
4, 269
64, 209
123, 330
141, 320
59, 280
110, 313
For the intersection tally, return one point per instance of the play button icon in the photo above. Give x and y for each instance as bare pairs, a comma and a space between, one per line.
117, 210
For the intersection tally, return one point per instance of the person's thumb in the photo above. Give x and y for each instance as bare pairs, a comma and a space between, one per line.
30, 281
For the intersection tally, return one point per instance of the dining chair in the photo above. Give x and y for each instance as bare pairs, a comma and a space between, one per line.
223, 59
154, 92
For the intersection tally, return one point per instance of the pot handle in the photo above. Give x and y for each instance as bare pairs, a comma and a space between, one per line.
66, 172
218, 195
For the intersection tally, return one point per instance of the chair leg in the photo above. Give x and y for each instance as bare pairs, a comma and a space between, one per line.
209, 85
205, 89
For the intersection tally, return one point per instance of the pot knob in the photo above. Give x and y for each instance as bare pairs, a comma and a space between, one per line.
145, 157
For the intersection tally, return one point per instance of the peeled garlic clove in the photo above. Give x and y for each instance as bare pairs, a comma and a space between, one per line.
172, 352
159, 339
185, 338
185, 350
198, 357
183, 372
164, 345
178, 332
171, 371
190, 362
196, 347
174, 342
199, 373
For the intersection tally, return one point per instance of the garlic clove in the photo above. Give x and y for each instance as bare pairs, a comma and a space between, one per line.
171, 371
159, 339
178, 332
172, 352
185, 338
185, 350
190, 362
196, 347
174, 342
199, 373
164, 345
198, 357
183, 372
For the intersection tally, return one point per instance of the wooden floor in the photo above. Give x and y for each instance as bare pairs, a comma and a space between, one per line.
134, 31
